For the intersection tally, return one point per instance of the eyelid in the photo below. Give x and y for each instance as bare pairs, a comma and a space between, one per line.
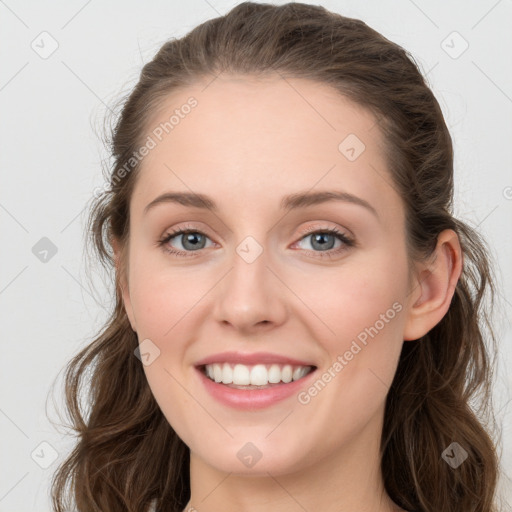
302, 231
325, 227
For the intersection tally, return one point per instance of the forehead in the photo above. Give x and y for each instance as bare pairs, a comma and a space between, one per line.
265, 112
261, 138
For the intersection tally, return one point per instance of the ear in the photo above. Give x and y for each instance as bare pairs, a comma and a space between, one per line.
121, 272
434, 286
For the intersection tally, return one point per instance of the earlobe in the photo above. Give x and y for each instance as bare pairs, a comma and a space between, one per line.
121, 281
435, 285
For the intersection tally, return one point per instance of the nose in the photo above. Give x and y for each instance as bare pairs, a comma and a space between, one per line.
252, 296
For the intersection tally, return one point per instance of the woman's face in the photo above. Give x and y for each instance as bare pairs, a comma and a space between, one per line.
260, 271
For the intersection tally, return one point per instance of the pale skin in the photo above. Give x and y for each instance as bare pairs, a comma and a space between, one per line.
246, 145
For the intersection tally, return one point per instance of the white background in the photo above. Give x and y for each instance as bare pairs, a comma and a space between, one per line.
51, 110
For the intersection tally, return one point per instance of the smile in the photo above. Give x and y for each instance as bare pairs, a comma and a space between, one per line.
255, 396
255, 376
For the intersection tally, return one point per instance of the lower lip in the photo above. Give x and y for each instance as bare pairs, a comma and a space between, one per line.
250, 399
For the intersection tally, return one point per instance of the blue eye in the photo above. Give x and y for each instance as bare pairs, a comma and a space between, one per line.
324, 240
193, 240
190, 240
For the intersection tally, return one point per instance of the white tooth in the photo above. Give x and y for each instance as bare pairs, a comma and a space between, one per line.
241, 375
217, 372
298, 373
286, 374
259, 375
305, 370
227, 374
274, 374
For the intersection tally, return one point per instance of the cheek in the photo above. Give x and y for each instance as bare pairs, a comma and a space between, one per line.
361, 311
365, 292
359, 322
162, 297
163, 304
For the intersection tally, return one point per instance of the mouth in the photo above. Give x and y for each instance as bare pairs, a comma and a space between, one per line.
257, 387
254, 377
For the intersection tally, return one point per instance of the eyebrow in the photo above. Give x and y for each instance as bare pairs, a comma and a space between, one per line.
291, 202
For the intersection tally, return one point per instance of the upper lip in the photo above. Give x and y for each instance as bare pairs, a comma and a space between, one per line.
251, 359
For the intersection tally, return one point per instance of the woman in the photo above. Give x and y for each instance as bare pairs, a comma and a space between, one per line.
297, 309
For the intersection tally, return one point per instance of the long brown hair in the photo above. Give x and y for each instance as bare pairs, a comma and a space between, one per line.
128, 457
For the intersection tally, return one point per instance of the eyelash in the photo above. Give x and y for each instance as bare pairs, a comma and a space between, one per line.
347, 242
